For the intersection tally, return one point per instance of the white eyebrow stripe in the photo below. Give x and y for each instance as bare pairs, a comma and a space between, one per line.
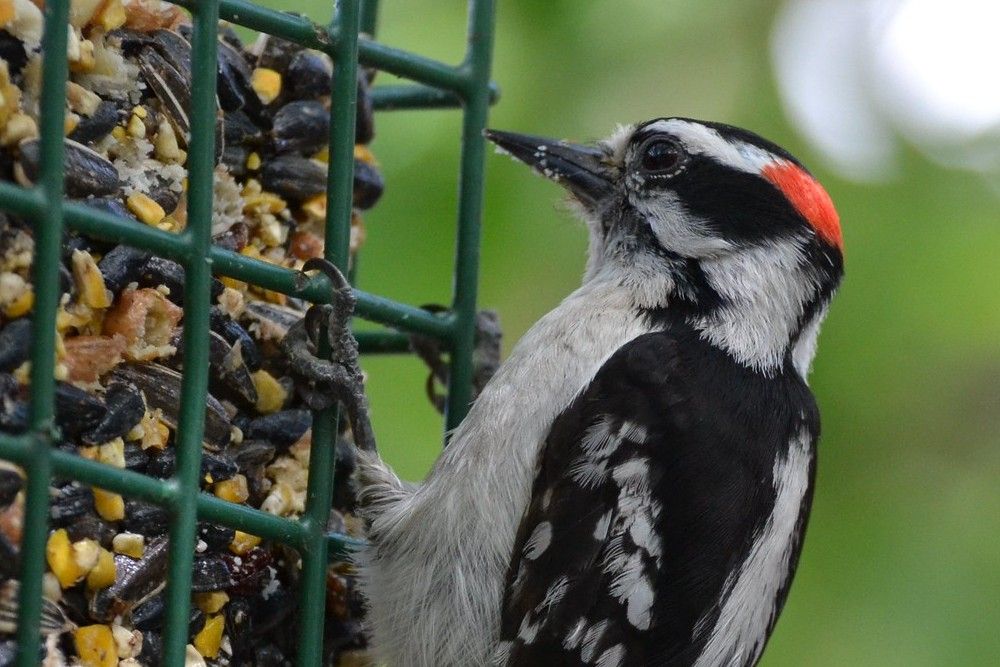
704, 140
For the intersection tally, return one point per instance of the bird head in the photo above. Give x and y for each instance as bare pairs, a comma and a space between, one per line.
708, 222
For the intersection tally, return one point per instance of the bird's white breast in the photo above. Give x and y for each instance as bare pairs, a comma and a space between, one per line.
444, 550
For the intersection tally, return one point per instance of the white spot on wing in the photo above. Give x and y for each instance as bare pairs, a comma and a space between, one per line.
613, 657
575, 634
594, 634
539, 541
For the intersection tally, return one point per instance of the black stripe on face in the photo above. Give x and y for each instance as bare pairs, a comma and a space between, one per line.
737, 205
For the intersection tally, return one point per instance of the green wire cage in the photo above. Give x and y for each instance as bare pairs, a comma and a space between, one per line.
347, 40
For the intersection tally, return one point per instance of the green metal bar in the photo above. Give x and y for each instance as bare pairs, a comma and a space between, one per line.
470, 204
369, 17
317, 289
401, 97
115, 228
319, 494
382, 342
45, 278
292, 27
411, 66
197, 297
29, 203
413, 96
303, 31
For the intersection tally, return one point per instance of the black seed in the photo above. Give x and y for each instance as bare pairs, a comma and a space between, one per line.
125, 408
76, 410
368, 185
69, 504
15, 344
149, 614
13, 52
87, 173
10, 483
98, 125
90, 526
301, 127
216, 537
145, 518
210, 573
309, 76
293, 177
234, 333
121, 266
282, 428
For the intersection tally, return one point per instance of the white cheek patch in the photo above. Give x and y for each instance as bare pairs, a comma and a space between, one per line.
677, 230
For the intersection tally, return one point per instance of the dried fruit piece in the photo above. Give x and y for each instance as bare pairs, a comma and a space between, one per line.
146, 319
88, 357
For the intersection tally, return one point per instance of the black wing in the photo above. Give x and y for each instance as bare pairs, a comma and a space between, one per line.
649, 488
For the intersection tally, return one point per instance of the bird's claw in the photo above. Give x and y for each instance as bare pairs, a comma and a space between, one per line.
339, 379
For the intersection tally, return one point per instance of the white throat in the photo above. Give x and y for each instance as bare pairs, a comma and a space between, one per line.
766, 290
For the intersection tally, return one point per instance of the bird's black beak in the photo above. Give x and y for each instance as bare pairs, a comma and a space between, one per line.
580, 169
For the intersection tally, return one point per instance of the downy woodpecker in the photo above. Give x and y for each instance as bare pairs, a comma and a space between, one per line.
632, 486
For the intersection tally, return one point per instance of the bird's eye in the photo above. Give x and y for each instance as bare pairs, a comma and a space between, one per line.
662, 157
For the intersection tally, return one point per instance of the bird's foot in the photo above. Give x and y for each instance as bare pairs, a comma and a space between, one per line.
339, 379
485, 356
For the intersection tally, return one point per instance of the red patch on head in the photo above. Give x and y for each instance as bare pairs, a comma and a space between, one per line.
808, 197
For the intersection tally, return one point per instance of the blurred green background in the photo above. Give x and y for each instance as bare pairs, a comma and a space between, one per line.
901, 564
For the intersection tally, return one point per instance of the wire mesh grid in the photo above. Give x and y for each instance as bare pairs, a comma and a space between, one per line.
434, 85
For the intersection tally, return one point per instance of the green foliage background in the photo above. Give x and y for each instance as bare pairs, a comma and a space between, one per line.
901, 564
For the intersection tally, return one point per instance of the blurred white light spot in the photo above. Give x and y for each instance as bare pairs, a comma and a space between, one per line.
940, 63
854, 74
819, 52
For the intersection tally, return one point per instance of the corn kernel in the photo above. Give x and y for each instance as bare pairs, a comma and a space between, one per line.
136, 128
212, 602
70, 122
250, 251
119, 133
128, 643
129, 544
315, 207
233, 283
89, 281
85, 554
270, 394
243, 542
145, 208
19, 126
95, 646
86, 61
112, 453
323, 155
112, 15
233, 490
59, 555
141, 112
266, 83
21, 305
253, 162
363, 153
110, 506
208, 640
103, 574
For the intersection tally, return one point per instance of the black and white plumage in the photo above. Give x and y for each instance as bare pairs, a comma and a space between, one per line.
632, 486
